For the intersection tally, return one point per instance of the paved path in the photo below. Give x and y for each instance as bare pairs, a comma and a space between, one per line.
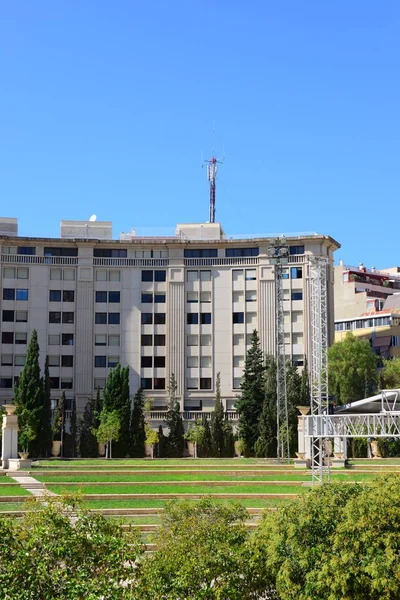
32, 485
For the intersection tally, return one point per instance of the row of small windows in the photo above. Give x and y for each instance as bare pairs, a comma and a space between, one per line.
193, 340
147, 362
15, 294
8, 337
101, 318
363, 323
147, 383
29, 250
16, 273
19, 316
110, 253
234, 252
50, 251
194, 275
150, 298
9, 360
193, 297
66, 295
152, 340
149, 318
154, 275
56, 383
61, 317
295, 273
192, 383
106, 361
112, 297
193, 318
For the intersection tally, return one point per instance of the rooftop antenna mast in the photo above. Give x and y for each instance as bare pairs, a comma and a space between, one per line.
212, 168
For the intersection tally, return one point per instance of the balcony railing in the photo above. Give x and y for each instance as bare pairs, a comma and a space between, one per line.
297, 258
130, 262
221, 262
191, 415
28, 259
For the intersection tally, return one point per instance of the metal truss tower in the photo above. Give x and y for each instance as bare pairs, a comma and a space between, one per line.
212, 168
278, 254
319, 363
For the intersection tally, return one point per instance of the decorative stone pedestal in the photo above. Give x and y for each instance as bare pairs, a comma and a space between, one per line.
17, 464
9, 444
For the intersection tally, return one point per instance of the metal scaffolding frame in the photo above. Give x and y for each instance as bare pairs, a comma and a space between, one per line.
278, 253
319, 363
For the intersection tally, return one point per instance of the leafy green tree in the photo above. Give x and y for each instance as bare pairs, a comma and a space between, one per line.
217, 421
151, 435
390, 374
138, 434
205, 449
250, 401
195, 434
71, 436
228, 450
46, 434
116, 397
160, 449
28, 395
305, 391
266, 444
199, 554
108, 429
173, 419
87, 440
59, 422
352, 369
293, 393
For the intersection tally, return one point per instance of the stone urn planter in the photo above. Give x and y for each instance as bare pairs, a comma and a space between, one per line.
56, 448
375, 449
23, 455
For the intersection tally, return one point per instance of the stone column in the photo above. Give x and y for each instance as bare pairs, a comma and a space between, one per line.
9, 444
304, 451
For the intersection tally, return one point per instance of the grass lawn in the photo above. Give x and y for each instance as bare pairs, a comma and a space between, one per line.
13, 491
154, 489
159, 463
78, 478
138, 503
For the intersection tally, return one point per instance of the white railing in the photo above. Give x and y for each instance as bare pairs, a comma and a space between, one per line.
29, 259
192, 415
221, 262
297, 258
130, 262
349, 426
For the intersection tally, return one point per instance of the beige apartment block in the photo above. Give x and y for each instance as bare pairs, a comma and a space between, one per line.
184, 304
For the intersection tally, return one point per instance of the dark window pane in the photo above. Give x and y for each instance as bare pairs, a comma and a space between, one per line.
54, 317
159, 340
297, 295
66, 384
159, 383
100, 361
113, 318
100, 318
29, 250
68, 317
68, 296
147, 318
146, 383
192, 318
296, 272
67, 361
159, 318
160, 275
113, 296
206, 318
101, 296
146, 362
147, 298
110, 252
236, 252
8, 294
147, 340
205, 383
22, 295
7, 337
159, 298
147, 275
296, 250
61, 251
67, 339
112, 362
54, 383
201, 253
238, 317
54, 295
6, 383
159, 361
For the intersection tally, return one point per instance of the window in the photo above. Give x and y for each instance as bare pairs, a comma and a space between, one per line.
22, 273
146, 383
238, 339
146, 362
54, 317
147, 318
54, 383
192, 297
67, 339
238, 317
7, 360
234, 252
110, 253
68, 317
7, 337
8, 294
159, 383
68, 296
251, 318
205, 383
9, 273
285, 273
56, 274
21, 338
395, 340
205, 297
147, 298
238, 361
251, 274
160, 276
205, 340
6, 383
60, 251
192, 275
28, 250
100, 318
114, 340
99, 383
297, 295
237, 275
100, 361
114, 275
69, 275
101, 275
54, 360
205, 362
113, 361
192, 362
192, 318
100, 339
54, 295
159, 362
201, 253
113, 318
192, 383
296, 250
297, 361
192, 340
159, 298
296, 272
114, 297
236, 383
146, 340
67, 383
101, 296
206, 318
54, 339
67, 361
159, 318
147, 275
251, 296
22, 294
8, 316
159, 340
205, 275
237, 296
297, 338
21, 316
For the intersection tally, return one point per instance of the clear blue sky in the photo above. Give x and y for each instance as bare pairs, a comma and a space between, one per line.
105, 108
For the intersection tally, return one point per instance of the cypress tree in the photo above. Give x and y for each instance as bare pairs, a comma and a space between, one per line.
59, 422
46, 434
293, 391
116, 397
217, 421
160, 448
137, 431
228, 449
173, 419
250, 401
205, 450
29, 397
87, 440
305, 392
265, 445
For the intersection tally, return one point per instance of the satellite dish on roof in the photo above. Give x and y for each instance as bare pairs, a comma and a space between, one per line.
93, 218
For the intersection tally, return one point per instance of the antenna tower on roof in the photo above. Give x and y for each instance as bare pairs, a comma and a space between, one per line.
212, 168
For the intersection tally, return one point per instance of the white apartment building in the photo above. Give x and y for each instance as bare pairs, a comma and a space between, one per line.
185, 304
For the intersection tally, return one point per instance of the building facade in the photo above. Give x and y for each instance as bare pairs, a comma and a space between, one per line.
185, 304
